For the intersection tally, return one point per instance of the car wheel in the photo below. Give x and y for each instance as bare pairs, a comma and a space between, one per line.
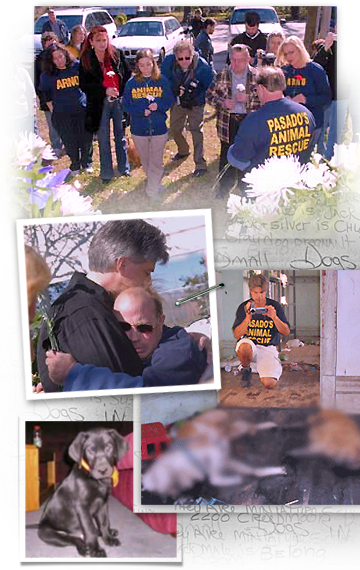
161, 55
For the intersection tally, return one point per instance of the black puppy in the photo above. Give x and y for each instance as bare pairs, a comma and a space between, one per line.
77, 513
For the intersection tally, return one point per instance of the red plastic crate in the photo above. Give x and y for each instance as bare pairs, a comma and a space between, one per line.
154, 440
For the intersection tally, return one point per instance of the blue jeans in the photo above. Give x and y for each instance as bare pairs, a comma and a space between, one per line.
112, 111
334, 118
54, 137
356, 127
17, 126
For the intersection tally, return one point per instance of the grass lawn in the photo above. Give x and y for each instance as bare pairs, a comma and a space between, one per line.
182, 190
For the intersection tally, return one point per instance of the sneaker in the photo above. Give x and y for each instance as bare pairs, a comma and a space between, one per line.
246, 376
126, 174
74, 172
199, 172
106, 181
89, 169
179, 156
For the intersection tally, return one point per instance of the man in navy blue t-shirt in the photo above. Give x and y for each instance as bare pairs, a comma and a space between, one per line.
258, 324
280, 127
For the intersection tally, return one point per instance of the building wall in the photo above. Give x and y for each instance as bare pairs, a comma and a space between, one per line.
340, 337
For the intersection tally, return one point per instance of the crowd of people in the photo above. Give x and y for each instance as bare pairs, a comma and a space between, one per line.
271, 99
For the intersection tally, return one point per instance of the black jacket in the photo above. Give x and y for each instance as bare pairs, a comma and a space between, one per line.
336, 67
38, 69
86, 327
91, 82
254, 43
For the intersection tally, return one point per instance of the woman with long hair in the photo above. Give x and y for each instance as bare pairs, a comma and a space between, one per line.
147, 97
273, 41
306, 81
103, 74
59, 83
77, 40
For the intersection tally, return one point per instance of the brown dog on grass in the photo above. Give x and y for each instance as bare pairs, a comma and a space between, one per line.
133, 154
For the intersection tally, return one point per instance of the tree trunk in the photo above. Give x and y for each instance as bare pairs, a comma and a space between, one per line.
325, 21
187, 12
311, 26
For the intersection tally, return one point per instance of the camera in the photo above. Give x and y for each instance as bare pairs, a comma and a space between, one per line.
258, 310
266, 58
187, 100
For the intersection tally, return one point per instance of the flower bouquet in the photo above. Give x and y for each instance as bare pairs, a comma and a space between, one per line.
111, 82
282, 194
41, 192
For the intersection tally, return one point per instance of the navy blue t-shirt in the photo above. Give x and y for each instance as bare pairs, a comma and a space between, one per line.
261, 329
312, 82
278, 128
63, 90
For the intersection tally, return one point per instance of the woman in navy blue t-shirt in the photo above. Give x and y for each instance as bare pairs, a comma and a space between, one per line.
60, 84
306, 81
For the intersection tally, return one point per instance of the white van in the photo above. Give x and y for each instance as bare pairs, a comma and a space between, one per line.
29, 46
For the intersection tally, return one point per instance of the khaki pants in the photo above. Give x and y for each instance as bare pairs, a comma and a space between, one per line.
195, 116
151, 152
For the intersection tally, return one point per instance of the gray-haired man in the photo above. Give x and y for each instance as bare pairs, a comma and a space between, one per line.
122, 253
189, 76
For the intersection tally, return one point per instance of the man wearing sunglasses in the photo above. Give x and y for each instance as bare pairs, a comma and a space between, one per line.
189, 76
169, 355
281, 127
122, 253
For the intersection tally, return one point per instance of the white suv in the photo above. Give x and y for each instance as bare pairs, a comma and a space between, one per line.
160, 34
88, 17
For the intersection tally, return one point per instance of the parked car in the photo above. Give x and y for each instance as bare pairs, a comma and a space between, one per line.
269, 20
157, 33
13, 34
88, 17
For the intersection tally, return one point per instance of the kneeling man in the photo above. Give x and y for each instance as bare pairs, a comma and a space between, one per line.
258, 324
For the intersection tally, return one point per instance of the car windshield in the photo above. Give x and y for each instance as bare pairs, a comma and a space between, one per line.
266, 16
70, 20
142, 29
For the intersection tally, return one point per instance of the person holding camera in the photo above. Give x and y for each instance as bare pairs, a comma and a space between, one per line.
234, 96
197, 23
252, 36
203, 44
190, 76
258, 324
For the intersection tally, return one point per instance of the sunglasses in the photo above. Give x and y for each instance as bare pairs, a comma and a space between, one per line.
143, 328
182, 58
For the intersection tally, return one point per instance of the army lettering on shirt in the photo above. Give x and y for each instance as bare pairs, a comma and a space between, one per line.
144, 91
296, 81
67, 82
289, 134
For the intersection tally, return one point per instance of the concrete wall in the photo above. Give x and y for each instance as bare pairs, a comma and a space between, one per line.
307, 289
340, 338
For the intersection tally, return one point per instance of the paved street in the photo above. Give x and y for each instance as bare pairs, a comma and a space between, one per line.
221, 35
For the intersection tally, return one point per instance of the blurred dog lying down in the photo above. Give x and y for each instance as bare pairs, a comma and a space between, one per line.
334, 436
202, 450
